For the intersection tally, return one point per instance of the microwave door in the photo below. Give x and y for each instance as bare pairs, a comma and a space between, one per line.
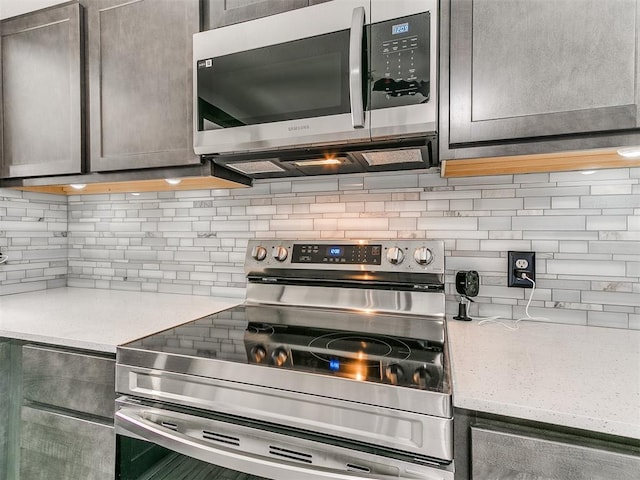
282, 81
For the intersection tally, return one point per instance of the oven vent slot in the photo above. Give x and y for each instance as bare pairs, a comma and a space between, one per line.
221, 438
357, 468
290, 454
169, 425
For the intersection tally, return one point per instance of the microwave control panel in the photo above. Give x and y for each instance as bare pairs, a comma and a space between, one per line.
400, 61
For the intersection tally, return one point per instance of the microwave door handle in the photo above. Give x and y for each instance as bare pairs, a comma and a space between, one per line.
130, 423
355, 67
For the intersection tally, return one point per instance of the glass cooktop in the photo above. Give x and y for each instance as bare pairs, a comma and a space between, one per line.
402, 350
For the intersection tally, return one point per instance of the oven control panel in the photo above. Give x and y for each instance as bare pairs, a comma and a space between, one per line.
337, 254
370, 255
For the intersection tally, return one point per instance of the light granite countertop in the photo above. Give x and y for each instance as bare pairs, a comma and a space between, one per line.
99, 320
575, 376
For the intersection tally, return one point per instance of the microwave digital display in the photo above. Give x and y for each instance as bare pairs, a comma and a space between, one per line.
400, 28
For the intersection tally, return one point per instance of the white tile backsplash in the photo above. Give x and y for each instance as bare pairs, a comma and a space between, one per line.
585, 231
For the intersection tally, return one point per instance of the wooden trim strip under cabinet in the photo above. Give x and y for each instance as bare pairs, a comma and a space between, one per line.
538, 163
136, 186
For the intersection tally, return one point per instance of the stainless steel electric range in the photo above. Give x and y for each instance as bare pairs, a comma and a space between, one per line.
334, 367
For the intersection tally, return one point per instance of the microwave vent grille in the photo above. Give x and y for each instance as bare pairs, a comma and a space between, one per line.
256, 166
378, 159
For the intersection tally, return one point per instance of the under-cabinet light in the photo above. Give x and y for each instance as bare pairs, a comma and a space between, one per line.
629, 152
588, 172
173, 181
78, 186
318, 163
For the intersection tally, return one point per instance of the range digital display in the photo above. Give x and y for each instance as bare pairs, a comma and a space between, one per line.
335, 252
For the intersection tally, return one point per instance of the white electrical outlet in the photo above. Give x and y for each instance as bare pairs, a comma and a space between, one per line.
522, 263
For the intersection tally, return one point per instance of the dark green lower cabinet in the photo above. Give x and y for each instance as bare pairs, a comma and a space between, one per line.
56, 413
58, 446
505, 454
4, 406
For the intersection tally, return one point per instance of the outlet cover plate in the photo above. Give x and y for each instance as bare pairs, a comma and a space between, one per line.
518, 263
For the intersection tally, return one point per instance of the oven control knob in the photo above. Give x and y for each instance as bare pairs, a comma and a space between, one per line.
423, 256
421, 377
395, 255
394, 374
279, 356
258, 353
280, 253
259, 253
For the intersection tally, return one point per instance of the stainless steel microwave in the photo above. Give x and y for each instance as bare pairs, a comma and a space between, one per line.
343, 72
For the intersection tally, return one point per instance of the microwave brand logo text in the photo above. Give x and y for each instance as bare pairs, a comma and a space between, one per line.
296, 128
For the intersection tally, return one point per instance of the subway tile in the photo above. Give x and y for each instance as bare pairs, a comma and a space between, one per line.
621, 247
554, 223
607, 222
327, 208
498, 204
448, 223
607, 319
611, 298
553, 191
610, 201
586, 267
387, 181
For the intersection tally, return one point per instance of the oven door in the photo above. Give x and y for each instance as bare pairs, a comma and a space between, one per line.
159, 442
293, 79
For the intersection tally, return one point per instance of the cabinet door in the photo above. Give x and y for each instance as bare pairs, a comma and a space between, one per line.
219, 13
497, 455
57, 446
41, 88
4, 405
73, 381
140, 83
532, 68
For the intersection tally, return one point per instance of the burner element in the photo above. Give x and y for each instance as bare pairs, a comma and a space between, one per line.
359, 347
262, 328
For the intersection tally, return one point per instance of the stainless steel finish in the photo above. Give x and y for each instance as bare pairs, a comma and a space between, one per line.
355, 68
357, 299
258, 452
146, 376
410, 119
335, 129
258, 253
395, 256
411, 431
263, 368
408, 247
352, 128
423, 256
280, 253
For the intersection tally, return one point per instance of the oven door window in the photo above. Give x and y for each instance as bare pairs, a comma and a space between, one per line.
142, 460
300, 79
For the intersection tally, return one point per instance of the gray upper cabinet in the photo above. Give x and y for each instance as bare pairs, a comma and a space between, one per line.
525, 69
42, 94
140, 83
219, 13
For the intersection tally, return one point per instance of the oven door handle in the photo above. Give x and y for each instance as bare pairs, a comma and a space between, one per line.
130, 423
355, 67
